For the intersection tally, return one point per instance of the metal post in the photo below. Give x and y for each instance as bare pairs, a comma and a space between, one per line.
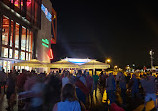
151, 56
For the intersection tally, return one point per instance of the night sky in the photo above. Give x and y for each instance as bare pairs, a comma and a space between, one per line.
122, 31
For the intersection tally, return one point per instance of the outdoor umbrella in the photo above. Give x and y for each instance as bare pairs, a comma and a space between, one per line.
93, 64
45, 63
63, 64
34, 63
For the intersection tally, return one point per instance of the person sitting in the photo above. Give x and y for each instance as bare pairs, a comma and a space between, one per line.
69, 100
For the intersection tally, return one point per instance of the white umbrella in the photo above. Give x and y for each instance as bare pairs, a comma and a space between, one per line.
93, 64
34, 63
63, 64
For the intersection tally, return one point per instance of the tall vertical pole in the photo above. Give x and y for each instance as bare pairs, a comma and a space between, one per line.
151, 56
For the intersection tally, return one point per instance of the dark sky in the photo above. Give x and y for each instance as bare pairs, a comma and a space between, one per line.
123, 31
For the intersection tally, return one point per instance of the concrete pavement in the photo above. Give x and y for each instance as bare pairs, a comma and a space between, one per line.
97, 104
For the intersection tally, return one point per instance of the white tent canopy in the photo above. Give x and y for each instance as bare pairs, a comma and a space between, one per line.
30, 63
93, 64
79, 63
63, 64
66, 63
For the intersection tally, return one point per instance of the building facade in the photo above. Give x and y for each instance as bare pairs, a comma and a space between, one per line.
23, 28
47, 33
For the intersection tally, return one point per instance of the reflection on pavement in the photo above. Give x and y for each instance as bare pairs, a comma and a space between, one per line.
4, 105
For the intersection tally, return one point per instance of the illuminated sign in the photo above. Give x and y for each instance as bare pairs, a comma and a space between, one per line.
45, 42
47, 14
50, 54
45, 45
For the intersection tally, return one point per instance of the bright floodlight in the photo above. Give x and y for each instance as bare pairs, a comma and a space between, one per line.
108, 60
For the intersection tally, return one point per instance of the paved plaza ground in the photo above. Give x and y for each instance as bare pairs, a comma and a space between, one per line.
97, 105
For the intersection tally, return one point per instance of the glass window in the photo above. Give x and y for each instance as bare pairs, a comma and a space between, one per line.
11, 36
22, 4
5, 66
30, 42
17, 67
11, 1
22, 55
4, 52
27, 68
1, 65
10, 53
17, 35
8, 66
16, 54
17, 3
28, 7
5, 31
22, 67
23, 38
30, 56
27, 55
28, 37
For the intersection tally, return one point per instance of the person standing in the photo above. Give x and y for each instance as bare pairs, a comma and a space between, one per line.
53, 89
102, 81
65, 79
95, 78
128, 77
3, 79
134, 83
81, 88
111, 88
89, 81
11, 81
149, 87
21, 80
122, 85
35, 94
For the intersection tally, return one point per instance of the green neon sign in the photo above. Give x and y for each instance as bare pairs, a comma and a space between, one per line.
45, 45
45, 42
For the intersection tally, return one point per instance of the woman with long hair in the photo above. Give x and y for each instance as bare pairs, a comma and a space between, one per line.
69, 100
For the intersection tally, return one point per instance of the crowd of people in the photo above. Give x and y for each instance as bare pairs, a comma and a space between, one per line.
136, 86
74, 92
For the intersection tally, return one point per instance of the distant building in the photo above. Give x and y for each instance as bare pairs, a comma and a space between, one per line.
27, 29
